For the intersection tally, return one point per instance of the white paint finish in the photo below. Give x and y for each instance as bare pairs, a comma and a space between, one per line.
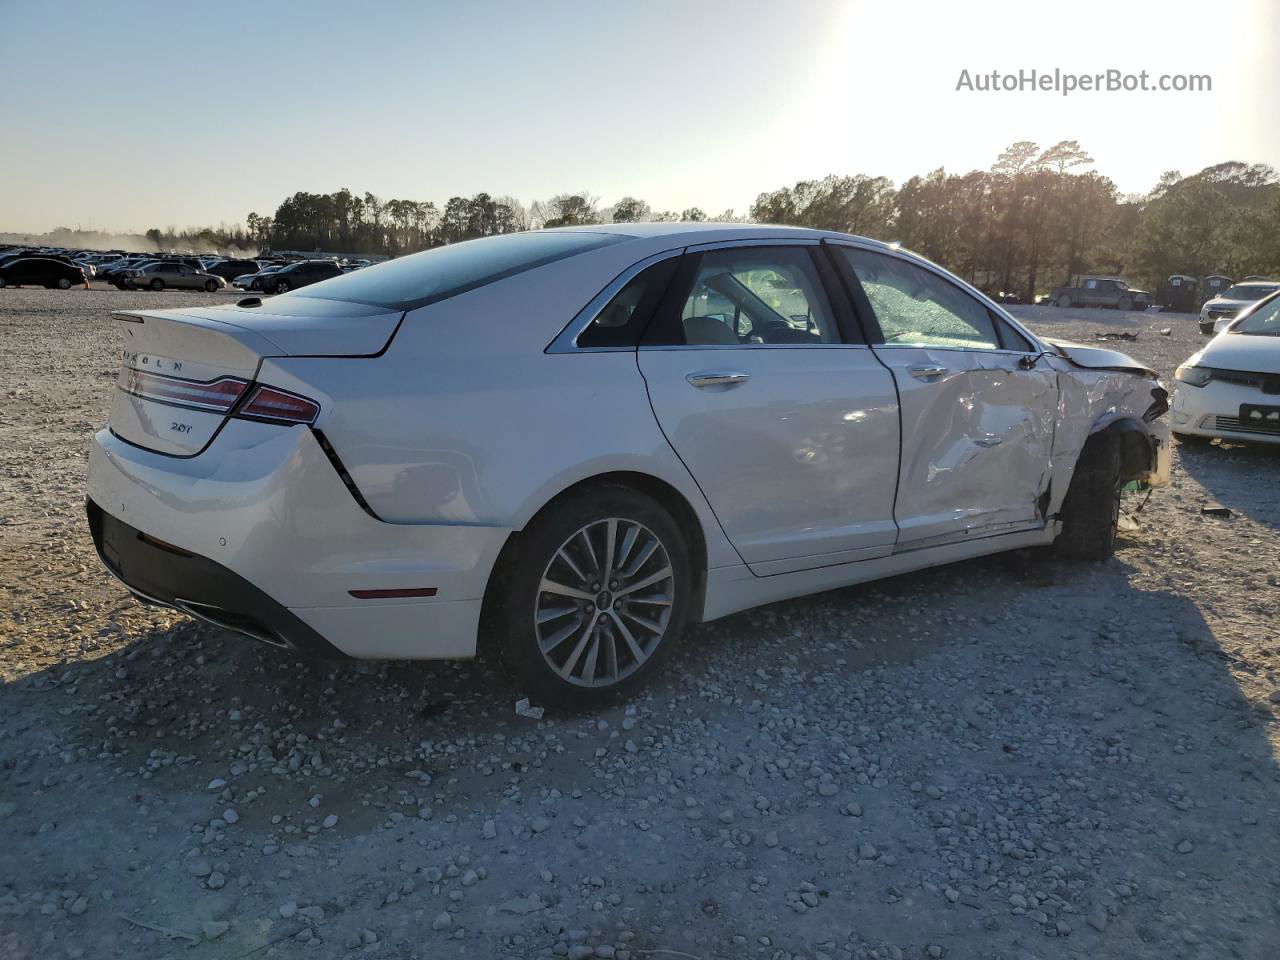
731, 590
976, 441
382, 630
264, 502
798, 460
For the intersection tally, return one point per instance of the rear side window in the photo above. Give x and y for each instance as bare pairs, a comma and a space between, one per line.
622, 321
423, 278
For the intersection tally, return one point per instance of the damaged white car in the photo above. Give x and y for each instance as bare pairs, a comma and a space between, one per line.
572, 444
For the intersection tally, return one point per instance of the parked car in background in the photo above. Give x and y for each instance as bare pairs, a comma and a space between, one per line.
114, 272
1091, 291
41, 272
162, 275
300, 274
228, 270
254, 281
451, 445
1231, 388
1218, 313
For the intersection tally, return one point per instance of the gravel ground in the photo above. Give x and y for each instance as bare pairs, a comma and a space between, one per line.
1008, 758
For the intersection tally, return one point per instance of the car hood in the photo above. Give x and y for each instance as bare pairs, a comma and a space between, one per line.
1223, 302
1241, 351
1098, 358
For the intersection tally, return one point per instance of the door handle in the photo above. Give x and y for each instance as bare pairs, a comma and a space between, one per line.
714, 378
924, 371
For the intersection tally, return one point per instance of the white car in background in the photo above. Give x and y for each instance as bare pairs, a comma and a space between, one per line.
1217, 314
1231, 388
574, 443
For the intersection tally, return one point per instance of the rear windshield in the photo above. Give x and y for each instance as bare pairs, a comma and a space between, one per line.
415, 281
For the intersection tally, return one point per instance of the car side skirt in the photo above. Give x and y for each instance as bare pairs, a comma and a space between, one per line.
731, 589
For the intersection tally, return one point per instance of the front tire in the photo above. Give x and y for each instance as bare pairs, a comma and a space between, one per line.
210, 286
590, 597
282, 286
1125, 303
1091, 510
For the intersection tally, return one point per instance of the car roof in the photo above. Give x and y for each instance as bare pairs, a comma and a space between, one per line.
710, 232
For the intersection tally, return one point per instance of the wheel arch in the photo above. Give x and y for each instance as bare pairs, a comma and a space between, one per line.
1134, 440
664, 493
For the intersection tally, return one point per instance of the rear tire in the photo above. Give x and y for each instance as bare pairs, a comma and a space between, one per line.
157, 284
3, 282
1091, 511
609, 624
1125, 303
1064, 301
64, 283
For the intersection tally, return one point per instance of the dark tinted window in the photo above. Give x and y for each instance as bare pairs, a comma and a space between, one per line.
623, 319
442, 272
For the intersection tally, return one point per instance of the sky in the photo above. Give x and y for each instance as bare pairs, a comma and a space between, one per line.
146, 115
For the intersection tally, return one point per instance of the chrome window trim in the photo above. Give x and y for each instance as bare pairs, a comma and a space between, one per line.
753, 346
567, 340
918, 261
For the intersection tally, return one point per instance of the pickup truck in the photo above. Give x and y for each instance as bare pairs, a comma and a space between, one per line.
1090, 291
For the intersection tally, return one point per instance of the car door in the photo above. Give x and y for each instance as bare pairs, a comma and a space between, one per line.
784, 417
978, 403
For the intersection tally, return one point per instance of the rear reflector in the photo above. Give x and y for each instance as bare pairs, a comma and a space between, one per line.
268, 403
392, 594
216, 395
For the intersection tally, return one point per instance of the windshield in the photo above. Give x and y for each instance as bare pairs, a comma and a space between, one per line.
1250, 291
1264, 321
422, 278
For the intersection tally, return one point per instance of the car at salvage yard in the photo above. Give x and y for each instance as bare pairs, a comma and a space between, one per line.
1217, 314
1231, 388
569, 445
170, 274
41, 272
1101, 292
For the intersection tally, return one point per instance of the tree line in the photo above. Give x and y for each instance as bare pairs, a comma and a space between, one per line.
1034, 219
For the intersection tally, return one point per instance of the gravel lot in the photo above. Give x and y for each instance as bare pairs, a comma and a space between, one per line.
1009, 758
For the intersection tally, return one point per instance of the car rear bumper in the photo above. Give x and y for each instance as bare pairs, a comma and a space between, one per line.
270, 533
1214, 411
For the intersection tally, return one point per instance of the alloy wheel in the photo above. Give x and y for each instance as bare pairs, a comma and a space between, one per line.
604, 602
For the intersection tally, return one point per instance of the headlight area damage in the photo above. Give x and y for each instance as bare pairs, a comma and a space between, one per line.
1107, 400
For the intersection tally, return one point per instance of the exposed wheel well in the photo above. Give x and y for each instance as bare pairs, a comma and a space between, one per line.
661, 491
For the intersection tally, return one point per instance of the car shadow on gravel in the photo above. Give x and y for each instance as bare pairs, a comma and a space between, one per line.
1056, 757
1242, 477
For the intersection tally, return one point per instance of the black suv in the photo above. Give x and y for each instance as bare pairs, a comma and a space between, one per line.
301, 274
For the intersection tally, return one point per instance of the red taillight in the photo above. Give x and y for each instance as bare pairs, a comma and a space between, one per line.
269, 403
216, 395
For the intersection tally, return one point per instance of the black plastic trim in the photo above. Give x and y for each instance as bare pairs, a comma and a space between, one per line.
199, 587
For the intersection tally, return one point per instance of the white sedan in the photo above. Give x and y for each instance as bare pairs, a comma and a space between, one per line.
571, 444
1231, 388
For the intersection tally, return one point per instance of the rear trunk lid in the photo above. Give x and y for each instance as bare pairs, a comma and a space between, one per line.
183, 371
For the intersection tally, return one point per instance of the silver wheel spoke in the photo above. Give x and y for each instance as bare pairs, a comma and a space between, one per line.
567, 669
611, 539
554, 613
648, 581
563, 554
585, 534
647, 624
642, 559
628, 637
560, 636
550, 586
593, 655
628, 544
662, 600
